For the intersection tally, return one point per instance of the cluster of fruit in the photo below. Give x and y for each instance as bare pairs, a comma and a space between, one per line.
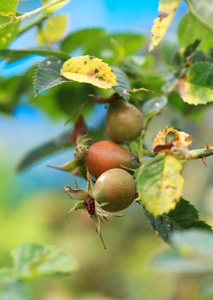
110, 163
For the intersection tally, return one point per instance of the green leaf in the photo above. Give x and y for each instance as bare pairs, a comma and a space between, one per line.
128, 42
25, 255
5, 275
83, 39
184, 216
34, 260
8, 7
46, 50
167, 10
180, 58
187, 243
206, 289
57, 262
172, 262
48, 74
53, 7
55, 145
197, 87
114, 48
15, 290
190, 29
123, 88
8, 34
154, 105
53, 30
160, 184
193, 253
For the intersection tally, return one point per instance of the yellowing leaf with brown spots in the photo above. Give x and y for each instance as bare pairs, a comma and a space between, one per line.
167, 10
181, 140
89, 69
160, 185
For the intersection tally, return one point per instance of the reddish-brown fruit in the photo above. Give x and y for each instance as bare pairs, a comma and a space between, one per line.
106, 155
115, 187
124, 121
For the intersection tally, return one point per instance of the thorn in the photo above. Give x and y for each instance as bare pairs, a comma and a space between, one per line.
204, 160
207, 146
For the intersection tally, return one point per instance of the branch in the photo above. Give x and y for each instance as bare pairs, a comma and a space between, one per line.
29, 14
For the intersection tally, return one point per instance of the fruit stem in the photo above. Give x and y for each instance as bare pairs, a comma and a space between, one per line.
140, 145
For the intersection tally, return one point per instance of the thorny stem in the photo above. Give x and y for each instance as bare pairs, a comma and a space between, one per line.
184, 156
29, 14
197, 16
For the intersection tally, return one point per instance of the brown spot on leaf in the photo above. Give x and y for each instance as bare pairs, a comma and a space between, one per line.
48, 63
162, 16
182, 90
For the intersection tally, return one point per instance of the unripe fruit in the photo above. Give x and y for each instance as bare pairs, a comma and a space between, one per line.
115, 187
124, 121
106, 155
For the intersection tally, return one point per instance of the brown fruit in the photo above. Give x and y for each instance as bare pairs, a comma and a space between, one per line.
106, 155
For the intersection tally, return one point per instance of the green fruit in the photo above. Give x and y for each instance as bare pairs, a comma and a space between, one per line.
124, 121
115, 187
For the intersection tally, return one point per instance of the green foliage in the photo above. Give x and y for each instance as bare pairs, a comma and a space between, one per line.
123, 88
152, 107
160, 184
180, 78
8, 34
48, 74
183, 217
53, 31
82, 39
45, 50
196, 88
190, 29
31, 261
16, 290
8, 7
187, 256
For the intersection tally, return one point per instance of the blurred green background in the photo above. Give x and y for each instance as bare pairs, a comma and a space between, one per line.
34, 205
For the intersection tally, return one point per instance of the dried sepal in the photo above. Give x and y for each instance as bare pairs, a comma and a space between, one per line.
79, 130
76, 194
78, 206
86, 201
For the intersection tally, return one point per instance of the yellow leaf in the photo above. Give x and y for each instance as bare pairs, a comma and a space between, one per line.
182, 139
160, 185
167, 10
89, 69
53, 31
